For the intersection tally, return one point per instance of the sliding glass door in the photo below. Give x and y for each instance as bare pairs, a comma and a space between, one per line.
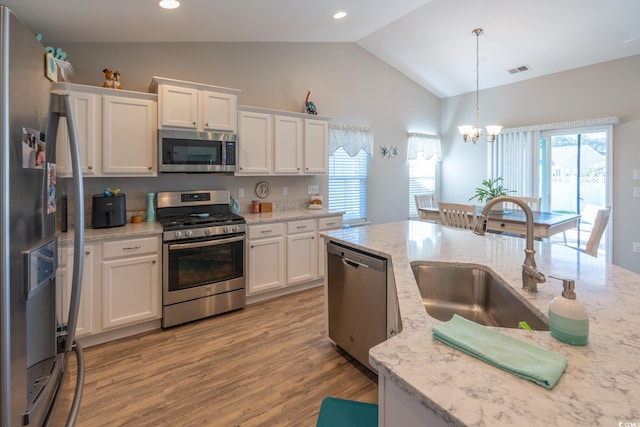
575, 176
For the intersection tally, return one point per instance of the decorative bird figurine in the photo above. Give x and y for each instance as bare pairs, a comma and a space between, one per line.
310, 106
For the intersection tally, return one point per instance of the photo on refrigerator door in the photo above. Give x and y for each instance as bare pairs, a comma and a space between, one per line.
33, 149
51, 188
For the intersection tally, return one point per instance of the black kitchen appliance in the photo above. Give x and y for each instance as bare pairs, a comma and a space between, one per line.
108, 211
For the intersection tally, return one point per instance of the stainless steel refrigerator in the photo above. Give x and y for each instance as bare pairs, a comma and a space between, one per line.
35, 342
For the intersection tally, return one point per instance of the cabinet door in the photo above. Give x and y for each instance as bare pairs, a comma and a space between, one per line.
84, 326
301, 257
84, 109
130, 291
179, 107
266, 265
255, 143
315, 146
218, 111
128, 136
287, 144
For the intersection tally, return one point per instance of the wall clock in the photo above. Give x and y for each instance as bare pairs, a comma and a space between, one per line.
263, 189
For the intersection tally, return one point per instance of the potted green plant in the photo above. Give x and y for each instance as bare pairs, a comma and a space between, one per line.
490, 188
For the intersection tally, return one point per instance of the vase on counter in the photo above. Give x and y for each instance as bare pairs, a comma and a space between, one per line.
151, 214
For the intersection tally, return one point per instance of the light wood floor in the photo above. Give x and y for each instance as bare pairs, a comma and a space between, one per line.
269, 364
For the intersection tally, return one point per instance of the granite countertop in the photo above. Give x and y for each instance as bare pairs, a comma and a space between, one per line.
126, 231
288, 215
600, 384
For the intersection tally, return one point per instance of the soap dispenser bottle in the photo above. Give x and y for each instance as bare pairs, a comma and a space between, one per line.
568, 319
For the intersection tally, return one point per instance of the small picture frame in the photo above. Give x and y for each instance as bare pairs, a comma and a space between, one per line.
50, 67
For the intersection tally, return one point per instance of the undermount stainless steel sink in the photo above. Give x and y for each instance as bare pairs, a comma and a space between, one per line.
473, 292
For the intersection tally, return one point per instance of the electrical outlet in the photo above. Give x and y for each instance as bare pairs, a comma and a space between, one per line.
636, 247
636, 174
312, 189
285, 190
241, 193
636, 191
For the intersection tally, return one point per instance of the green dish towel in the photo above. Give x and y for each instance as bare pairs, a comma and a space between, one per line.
527, 361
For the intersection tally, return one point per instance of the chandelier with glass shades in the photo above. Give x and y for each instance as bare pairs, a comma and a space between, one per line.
468, 131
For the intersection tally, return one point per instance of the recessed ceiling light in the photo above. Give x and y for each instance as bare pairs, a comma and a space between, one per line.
339, 15
169, 4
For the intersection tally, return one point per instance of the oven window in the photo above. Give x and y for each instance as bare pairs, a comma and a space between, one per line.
192, 267
191, 152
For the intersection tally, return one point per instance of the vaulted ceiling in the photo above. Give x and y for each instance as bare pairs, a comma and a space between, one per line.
430, 41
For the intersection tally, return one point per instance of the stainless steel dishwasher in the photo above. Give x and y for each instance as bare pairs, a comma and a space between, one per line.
357, 300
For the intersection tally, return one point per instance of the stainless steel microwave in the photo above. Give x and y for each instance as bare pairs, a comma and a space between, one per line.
197, 152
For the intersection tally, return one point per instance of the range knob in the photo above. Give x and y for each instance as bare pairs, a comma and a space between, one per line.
188, 233
207, 232
178, 234
225, 229
234, 228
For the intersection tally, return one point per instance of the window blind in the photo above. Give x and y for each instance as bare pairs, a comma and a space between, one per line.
422, 180
348, 184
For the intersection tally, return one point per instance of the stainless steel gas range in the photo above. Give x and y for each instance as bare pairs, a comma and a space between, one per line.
203, 254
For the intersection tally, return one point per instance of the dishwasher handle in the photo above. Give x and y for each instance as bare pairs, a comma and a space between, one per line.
352, 263
356, 258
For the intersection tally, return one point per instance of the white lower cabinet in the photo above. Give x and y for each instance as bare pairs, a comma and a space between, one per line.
286, 253
266, 258
131, 290
302, 251
85, 325
324, 224
121, 285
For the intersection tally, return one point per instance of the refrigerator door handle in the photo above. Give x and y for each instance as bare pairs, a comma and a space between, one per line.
78, 219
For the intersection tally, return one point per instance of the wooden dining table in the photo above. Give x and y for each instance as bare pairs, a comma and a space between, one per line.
545, 224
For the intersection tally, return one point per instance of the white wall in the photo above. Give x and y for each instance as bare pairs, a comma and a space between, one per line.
606, 89
349, 85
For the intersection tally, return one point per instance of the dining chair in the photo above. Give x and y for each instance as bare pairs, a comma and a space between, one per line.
600, 223
458, 215
424, 201
535, 203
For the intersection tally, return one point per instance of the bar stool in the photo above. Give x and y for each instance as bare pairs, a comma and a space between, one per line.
347, 413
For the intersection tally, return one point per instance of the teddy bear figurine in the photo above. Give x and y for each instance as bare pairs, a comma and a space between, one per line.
111, 79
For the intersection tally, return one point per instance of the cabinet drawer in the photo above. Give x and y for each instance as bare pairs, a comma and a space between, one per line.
124, 248
303, 226
265, 230
331, 223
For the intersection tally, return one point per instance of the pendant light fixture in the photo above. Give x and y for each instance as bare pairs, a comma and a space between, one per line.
468, 131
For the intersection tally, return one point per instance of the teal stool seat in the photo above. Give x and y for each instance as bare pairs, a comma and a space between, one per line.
347, 413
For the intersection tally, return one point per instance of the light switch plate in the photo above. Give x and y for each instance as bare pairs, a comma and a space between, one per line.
636, 191
312, 189
285, 190
241, 193
636, 174
636, 247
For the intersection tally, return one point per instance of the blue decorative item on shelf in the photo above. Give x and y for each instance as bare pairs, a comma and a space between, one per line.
310, 106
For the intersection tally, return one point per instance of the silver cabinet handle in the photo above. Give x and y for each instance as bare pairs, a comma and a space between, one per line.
331, 223
266, 231
132, 248
300, 227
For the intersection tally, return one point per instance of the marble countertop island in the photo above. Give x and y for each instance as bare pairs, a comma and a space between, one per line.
601, 384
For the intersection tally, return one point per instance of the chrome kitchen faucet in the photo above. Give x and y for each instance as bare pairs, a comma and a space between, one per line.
530, 275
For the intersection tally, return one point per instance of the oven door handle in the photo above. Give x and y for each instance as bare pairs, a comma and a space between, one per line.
207, 243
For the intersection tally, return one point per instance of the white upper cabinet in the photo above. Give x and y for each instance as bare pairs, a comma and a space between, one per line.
255, 143
288, 144
128, 136
117, 132
316, 142
88, 131
195, 106
219, 111
178, 107
273, 142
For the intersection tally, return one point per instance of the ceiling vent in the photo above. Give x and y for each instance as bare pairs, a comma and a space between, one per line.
519, 69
